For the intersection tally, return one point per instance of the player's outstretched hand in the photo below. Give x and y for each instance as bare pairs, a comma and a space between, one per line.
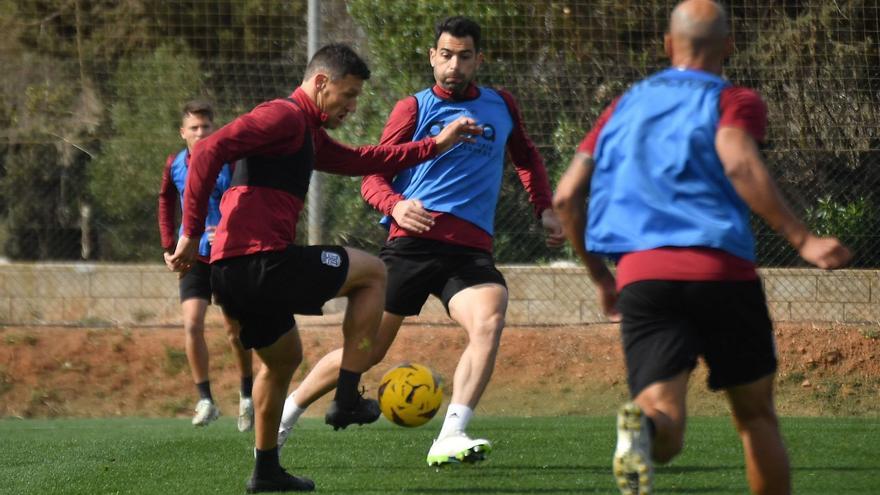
553, 233
411, 215
827, 253
461, 129
184, 255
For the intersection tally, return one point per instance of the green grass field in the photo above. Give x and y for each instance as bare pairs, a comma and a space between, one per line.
532, 456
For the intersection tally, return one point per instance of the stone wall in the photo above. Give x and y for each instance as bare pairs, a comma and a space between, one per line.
127, 294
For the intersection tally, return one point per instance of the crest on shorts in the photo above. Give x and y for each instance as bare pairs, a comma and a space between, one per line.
330, 258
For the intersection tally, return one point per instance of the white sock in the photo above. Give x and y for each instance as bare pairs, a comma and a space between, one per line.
457, 418
291, 412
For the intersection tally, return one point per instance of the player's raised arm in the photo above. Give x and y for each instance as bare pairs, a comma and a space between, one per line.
337, 158
744, 167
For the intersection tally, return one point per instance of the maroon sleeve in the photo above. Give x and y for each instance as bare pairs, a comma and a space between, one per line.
399, 128
528, 162
588, 145
743, 108
168, 195
337, 158
401, 124
276, 127
385, 158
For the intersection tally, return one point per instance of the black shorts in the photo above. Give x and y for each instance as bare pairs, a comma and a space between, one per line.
668, 324
196, 282
420, 267
264, 290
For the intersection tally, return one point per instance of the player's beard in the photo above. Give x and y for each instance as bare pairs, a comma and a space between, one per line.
457, 88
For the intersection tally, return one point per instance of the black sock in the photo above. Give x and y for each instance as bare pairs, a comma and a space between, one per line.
247, 386
267, 463
205, 390
347, 389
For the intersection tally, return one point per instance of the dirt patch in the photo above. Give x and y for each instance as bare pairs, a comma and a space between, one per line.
50, 372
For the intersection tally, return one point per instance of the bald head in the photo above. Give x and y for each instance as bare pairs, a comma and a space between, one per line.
698, 35
698, 20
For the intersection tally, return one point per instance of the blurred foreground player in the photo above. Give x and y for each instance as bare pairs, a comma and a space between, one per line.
671, 169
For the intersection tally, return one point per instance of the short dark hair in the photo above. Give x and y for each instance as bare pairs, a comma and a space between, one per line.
339, 60
460, 27
198, 107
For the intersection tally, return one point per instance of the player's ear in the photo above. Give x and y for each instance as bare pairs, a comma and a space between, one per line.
321, 80
431, 52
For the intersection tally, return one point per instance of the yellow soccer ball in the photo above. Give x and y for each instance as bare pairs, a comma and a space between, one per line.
410, 394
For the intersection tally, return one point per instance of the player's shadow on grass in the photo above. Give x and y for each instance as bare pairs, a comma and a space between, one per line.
872, 469
715, 490
491, 469
481, 489
741, 468
697, 469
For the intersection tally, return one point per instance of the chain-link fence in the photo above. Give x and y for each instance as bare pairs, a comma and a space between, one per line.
92, 94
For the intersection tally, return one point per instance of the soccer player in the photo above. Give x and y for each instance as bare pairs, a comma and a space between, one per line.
197, 122
672, 169
441, 217
260, 277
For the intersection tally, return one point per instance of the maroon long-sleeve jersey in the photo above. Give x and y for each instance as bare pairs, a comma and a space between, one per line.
277, 142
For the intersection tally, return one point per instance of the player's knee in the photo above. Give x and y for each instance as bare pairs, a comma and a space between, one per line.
755, 417
288, 369
194, 327
668, 439
496, 322
366, 267
487, 331
376, 269
486, 334
284, 368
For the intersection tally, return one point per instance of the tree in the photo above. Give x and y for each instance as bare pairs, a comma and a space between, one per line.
49, 119
145, 117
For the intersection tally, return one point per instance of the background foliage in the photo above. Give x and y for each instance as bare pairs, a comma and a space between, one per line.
93, 89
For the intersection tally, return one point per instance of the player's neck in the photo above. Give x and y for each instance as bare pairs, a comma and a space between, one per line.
705, 64
447, 94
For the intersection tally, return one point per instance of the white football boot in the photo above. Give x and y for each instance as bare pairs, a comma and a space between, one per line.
206, 413
633, 469
457, 448
245, 414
